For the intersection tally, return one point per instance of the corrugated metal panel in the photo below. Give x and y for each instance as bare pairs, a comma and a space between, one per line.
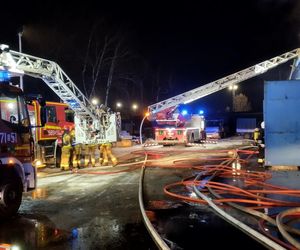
282, 122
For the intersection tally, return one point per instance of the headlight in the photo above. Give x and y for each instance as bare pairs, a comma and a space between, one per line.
37, 163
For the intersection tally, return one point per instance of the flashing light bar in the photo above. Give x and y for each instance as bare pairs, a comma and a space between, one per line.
4, 76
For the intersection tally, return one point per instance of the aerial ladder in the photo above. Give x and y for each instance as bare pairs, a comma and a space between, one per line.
162, 112
222, 83
93, 124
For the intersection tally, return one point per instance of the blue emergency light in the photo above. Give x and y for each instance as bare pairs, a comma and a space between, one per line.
201, 112
73, 103
184, 112
4, 76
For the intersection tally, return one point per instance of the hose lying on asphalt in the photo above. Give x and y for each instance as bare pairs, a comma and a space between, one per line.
155, 236
250, 199
282, 229
230, 195
248, 230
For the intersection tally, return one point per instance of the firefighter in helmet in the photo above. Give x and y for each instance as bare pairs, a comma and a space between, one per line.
67, 149
261, 145
106, 154
256, 135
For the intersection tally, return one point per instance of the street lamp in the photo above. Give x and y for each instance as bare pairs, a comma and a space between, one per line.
146, 115
95, 101
233, 88
134, 106
20, 33
119, 105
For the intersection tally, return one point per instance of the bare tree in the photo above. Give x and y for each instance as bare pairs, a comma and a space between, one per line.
95, 56
111, 71
163, 84
241, 103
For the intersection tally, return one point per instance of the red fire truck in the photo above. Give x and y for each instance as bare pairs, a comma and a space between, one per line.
179, 129
48, 139
17, 171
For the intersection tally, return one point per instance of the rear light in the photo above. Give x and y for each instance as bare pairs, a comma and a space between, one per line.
9, 247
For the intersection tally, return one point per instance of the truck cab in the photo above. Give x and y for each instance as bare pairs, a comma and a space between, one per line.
17, 173
168, 132
48, 139
215, 129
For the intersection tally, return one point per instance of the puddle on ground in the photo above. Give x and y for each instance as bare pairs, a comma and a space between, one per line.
162, 204
38, 232
39, 193
194, 227
32, 232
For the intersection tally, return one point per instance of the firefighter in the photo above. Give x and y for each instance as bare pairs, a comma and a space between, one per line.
76, 155
110, 155
256, 135
103, 155
67, 150
261, 145
82, 156
75, 151
97, 155
106, 154
261, 153
91, 155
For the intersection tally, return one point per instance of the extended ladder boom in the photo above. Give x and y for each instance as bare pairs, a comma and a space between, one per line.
223, 83
88, 119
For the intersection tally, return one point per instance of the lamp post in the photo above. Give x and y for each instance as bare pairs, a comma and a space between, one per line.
20, 50
233, 88
95, 101
146, 115
119, 105
134, 106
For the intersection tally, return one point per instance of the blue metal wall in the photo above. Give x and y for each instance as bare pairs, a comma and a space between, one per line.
282, 122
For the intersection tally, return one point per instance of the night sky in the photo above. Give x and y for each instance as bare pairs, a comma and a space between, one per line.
177, 45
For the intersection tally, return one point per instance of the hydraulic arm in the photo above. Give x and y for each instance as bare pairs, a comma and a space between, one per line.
92, 124
222, 83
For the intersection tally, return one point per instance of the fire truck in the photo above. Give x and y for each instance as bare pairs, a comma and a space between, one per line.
48, 139
17, 172
94, 124
170, 127
180, 128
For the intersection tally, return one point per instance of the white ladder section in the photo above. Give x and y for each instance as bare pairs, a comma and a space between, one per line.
223, 83
92, 125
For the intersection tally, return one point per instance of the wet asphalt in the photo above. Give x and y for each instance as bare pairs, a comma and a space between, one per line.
75, 211
96, 211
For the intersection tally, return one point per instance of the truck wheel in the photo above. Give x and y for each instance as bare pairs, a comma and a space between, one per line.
10, 198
